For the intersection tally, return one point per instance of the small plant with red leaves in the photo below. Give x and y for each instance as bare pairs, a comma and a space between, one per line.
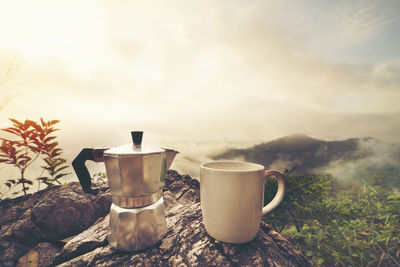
32, 141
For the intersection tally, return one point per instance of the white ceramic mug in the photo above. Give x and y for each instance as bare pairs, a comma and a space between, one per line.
232, 194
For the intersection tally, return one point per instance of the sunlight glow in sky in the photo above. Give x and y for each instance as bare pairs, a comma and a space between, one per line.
191, 71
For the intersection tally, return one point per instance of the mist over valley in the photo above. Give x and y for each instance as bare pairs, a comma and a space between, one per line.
351, 160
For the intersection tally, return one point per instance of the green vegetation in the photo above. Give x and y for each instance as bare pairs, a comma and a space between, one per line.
337, 223
31, 141
347, 216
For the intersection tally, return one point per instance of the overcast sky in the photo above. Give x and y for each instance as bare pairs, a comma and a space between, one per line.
217, 72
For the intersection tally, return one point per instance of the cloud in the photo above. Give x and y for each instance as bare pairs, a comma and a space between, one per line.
388, 73
148, 52
198, 71
344, 31
360, 20
377, 160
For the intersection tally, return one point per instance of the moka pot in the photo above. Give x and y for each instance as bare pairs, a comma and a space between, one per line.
136, 174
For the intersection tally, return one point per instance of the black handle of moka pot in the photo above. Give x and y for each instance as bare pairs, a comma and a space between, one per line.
94, 154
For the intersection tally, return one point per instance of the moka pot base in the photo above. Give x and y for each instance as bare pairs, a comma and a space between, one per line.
137, 228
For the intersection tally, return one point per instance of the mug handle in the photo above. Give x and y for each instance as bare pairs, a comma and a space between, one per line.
279, 194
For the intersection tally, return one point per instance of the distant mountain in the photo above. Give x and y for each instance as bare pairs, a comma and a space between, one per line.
298, 150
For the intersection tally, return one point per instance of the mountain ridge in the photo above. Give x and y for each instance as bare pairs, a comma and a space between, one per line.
299, 151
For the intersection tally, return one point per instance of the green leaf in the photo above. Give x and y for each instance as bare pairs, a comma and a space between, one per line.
55, 153
48, 183
61, 168
49, 147
393, 196
58, 176
387, 240
26, 181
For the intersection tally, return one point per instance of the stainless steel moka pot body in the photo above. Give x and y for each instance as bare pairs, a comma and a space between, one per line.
136, 174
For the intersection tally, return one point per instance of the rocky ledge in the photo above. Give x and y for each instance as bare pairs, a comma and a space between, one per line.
63, 226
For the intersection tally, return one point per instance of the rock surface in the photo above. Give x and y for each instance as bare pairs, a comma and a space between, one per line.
47, 216
10, 252
185, 244
46, 253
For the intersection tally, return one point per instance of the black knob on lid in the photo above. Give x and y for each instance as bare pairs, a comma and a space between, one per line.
137, 137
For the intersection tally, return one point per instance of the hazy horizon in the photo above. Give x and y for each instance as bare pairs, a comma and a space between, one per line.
201, 76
